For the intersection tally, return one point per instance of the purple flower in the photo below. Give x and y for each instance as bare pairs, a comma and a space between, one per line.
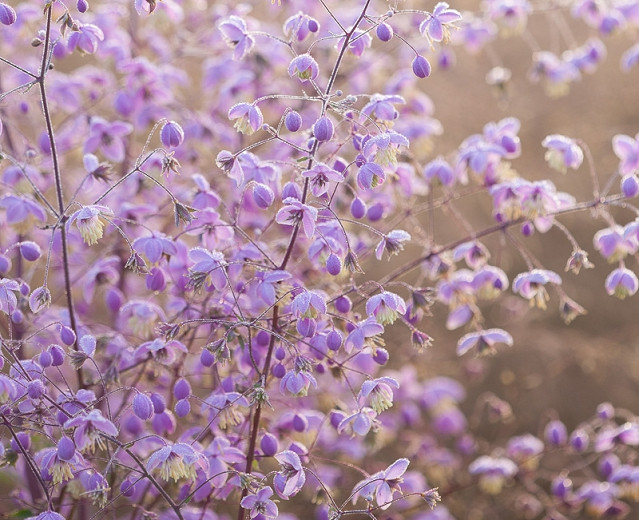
47, 515
370, 175
563, 152
208, 269
235, 34
630, 58
308, 304
320, 176
493, 472
483, 341
439, 170
300, 25
8, 390
524, 449
298, 380
291, 477
627, 149
108, 138
164, 352
269, 285
385, 307
293, 121
177, 461
89, 429
358, 43
384, 32
171, 134
8, 299
227, 162
86, 38
260, 504
323, 129
155, 247
383, 148
392, 243
380, 392
304, 67
294, 213
381, 106
437, 26
223, 408
613, 243
364, 334
359, 422
21, 212
88, 220
248, 117
381, 486
622, 283
530, 285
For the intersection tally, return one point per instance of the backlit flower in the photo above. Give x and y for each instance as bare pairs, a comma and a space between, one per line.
622, 283
177, 461
483, 341
89, 220
260, 504
381, 486
89, 429
530, 285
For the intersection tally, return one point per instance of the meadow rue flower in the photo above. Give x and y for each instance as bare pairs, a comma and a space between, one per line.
293, 121
383, 148
439, 171
298, 380
291, 477
392, 243
155, 247
530, 285
382, 106
379, 391
248, 117
108, 138
235, 33
613, 244
383, 485
294, 213
365, 333
8, 390
622, 283
525, 450
300, 25
7, 14
358, 42
89, 429
563, 152
384, 32
438, 25
385, 307
323, 129
630, 185
260, 504
90, 222
577, 260
627, 149
164, 352
308, 304
143, 406
421, 67
483, 341
86, 38
8, 298
304, 67
370, 175
21, 212
360, 422
208, 269
320, 175
171, 134
224, 408
177, 461
493, 472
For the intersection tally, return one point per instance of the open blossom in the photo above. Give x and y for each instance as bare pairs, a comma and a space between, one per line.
613, 244
358, 43
392, 243
483, 341
382, 107
108, 138
235, 34
177, 461
300, 25
89, 429
627, 149
304, 67
294, 213
493, 472
21, 212
379, 391
530, 285
89, 220
622, 283
298, 380
308, 304
248, 117
385, 307
86, 38
381, 486
260, 504
8, 299
383, 148
208, 269
291, 477
364, 334
563, 152
437, 26
225, 408
359, 422
320, 175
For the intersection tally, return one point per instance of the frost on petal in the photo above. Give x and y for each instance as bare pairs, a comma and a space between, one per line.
39, 299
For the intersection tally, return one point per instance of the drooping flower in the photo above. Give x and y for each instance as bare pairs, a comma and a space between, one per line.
304, 67
260, 504
381, 486
359, 422
627, 149
171, 134
483, 341
295, 213
385, 307
392, 243
89, 429
370, 175
300, 25
383, 148
381, 106
308, 304
8, 299
248, 117
379, 391
613, 243
22, 212
208, 269
359, 41
493, 472
291, 477
89, 220
563, 152
176, 461
235, 33
298, 380
622, 282
86, 38
437, 26
107, 137
320, 175
530, 285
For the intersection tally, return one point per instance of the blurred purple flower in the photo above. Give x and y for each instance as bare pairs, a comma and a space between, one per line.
483, 341
381, 486
235, 34
260, 504
108, 138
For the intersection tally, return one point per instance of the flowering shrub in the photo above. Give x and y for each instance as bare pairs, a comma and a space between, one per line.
218, 243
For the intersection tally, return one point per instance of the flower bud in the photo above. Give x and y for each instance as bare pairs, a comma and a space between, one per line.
358, 208
555, 433
35, 389
30, 251
159, 404
82, 6
57, 355
306, 327
278, 371
182, 408
182, 389
269, 444
207, 358
143, 406
375, 212
66, 449
5, 264
334, 340
384, 32
25, 441
579, 440
7, 14
333, 264
127, 488
323, 129
343, 304
381, 356
67, 336
172, 135
293, 121
291, 190
155, 280
280, 353
421, 67
630, 185
300, 423
45, 359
